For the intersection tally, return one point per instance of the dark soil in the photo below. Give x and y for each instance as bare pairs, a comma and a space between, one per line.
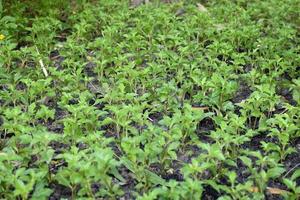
205, 126
89, 69
210, 193
56, 59
287, 96
129, 186
59, 192
243, 93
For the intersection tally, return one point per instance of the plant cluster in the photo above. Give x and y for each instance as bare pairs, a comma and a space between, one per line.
100, 100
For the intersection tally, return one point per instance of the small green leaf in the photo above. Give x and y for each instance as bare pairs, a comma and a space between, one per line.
289, 183
116, 174
295, 175
247, 161
275, 172
154, 178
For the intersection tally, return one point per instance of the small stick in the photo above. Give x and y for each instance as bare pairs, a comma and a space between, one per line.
150, 119
200, 108
270, 190
42, 64
287, 173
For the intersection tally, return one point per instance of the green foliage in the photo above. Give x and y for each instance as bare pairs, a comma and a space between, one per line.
160, 101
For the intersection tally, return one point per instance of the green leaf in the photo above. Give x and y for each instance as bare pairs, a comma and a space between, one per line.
232, 176
247, 161
275, 172
216, 152
62, 180
289, 183
41, 192
154, 178
295, 175
116, 174
225, 197
128, 164
213, 184
1, 7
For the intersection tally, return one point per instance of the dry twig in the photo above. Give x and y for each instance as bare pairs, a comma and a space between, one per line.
42, 64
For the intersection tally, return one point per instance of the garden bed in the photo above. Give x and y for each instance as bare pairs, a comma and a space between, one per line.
150, 100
